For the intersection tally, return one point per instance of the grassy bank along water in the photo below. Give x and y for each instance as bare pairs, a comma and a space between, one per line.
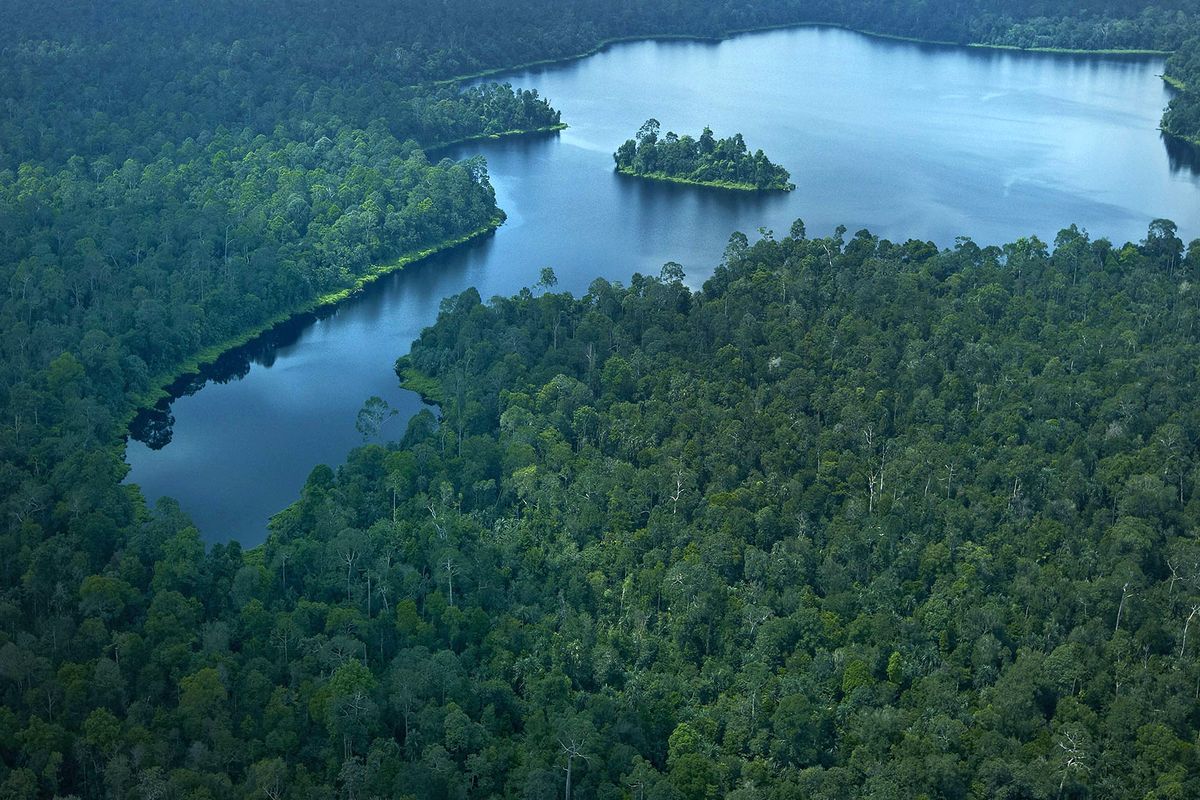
1174, 83
412, 379
481, 137
207, 356
665, 178
1068, 51
1194, 141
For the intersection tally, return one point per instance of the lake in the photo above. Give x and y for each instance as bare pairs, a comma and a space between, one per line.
907, 140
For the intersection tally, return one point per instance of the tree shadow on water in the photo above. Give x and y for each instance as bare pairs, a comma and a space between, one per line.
1181, 156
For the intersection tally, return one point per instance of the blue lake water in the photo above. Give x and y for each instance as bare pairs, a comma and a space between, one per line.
907, 140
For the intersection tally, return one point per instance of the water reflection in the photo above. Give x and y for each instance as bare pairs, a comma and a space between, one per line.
1183, 157
154, 426
907, 141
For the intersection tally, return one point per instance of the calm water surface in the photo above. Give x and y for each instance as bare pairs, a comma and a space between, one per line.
907, 140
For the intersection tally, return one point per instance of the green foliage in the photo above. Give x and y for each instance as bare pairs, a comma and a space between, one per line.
1182, 118
646, 511
837, 523
705, 161
882, 461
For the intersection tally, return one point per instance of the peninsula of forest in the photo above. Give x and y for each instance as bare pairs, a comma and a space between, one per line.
707, 161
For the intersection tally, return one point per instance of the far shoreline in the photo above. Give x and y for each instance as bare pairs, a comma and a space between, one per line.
604, 44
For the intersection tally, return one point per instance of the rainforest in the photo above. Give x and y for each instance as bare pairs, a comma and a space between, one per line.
707, 161
849, 516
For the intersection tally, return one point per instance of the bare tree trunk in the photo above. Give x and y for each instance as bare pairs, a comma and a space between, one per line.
1125, 593
1186, 624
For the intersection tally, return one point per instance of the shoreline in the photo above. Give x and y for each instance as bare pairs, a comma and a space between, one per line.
1071, 51
604, 44
413, 380
1174, 83
491, 137
727, 185
161, 384
1178, 86
1179, 137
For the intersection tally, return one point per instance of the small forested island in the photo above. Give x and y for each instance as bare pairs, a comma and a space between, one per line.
707, 161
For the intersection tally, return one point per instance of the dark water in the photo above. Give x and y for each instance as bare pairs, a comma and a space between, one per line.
909, 141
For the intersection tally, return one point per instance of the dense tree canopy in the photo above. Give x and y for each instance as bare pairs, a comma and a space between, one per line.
706, 161
857, 519
1183, 114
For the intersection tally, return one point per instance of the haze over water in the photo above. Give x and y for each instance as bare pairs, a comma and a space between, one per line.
909, 141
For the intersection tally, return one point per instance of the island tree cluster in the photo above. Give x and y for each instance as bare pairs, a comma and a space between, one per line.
706, 161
